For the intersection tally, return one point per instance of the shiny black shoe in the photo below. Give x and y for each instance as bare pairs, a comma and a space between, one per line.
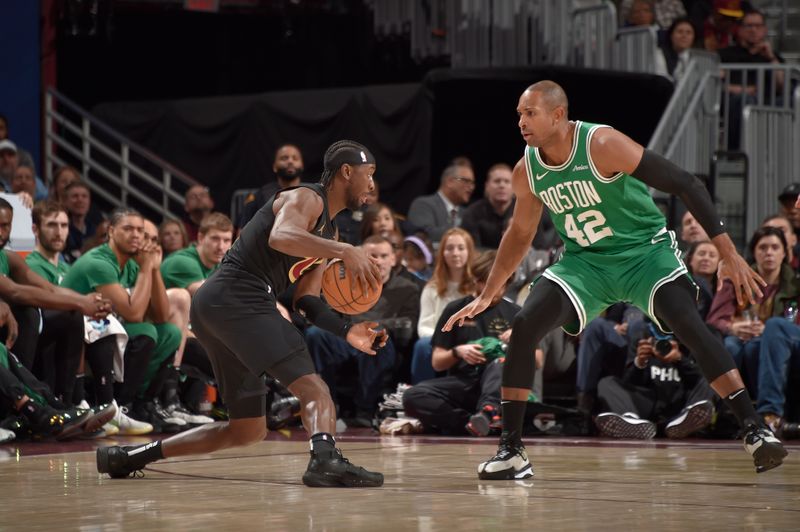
767, 450
334, 471
115, 462
282, 412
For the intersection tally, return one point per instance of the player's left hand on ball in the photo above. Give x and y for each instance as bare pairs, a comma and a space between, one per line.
364, 336
746, 281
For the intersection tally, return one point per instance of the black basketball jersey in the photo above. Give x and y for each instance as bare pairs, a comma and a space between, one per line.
251, 251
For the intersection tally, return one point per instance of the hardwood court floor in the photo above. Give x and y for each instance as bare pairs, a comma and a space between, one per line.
431, 484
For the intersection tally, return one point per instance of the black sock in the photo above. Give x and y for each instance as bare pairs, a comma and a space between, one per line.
322, 443
742, 407
79, 389
513, 418
141, 455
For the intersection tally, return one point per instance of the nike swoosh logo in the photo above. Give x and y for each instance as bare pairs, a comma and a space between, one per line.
538, 177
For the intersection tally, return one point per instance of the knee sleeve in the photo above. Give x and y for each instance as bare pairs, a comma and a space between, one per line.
546, 308
675, 306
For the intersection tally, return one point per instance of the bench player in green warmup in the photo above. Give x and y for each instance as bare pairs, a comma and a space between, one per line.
594, 181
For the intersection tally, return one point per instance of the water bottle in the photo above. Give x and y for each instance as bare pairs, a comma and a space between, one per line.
791, 312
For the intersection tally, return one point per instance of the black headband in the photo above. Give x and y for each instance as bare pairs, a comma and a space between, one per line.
351, 156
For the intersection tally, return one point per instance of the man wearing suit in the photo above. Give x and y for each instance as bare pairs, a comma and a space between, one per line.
438, 212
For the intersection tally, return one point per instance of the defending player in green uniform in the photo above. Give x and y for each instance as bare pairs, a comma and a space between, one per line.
594, 180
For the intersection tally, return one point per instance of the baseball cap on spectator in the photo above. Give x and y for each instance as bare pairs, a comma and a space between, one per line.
7, 145
729, 8
790, 192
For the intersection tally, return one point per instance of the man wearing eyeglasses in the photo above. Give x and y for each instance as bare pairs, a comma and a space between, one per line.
442, 210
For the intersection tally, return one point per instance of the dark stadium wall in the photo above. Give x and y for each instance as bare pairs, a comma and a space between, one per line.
414, 129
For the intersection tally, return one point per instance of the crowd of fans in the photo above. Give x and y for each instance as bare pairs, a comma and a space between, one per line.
99, 339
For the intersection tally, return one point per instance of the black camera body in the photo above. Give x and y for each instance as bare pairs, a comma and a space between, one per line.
663, 341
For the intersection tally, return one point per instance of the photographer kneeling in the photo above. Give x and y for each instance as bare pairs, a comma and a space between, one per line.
662, 385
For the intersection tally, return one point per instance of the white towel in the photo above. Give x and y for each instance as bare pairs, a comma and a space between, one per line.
94, 330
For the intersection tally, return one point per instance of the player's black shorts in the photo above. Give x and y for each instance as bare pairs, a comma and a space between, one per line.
235, 317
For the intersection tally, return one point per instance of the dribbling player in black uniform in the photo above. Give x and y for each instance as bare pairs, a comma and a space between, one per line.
234, 315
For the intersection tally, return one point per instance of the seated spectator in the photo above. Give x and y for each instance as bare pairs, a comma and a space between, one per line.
126, 270
661, 386
691, 230
742, 326
10, 158
188, 268
59, 323
396, 239
288, 169
28, 407
603, 349
418, 257
702, 259
467, 400
59, 347
665, 12
84, 231
172, 236
24, 181
197, 204
181, 280
487, 218
452, 279
639, 13
397, 311
786, 201
62, 177
784, 224
379, 219
779, 349
676, 49
442, 210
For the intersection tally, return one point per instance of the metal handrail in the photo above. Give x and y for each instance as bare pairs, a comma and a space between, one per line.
93, 137
636, 50
595, 52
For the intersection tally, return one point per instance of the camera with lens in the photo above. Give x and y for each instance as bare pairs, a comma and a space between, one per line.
662, 341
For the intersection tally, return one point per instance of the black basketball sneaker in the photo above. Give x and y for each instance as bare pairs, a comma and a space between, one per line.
332, 470
117, 462
510, 463
767, 450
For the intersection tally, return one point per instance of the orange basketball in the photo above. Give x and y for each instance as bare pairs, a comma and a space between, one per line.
343, 293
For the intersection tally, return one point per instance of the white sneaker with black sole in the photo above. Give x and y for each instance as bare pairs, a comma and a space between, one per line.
628, 426
510, 463
767, 450
692, 418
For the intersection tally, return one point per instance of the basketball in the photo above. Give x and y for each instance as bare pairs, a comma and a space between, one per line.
343, 293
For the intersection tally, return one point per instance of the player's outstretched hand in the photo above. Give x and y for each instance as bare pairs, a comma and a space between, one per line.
478, 305
746, 281
797, 202
366, 338
362, 267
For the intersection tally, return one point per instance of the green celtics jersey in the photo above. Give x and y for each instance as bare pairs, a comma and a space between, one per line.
184, 267
5, 268
98, 267
50, 273
592, 212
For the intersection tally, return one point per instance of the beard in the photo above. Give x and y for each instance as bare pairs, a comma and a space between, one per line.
289, 174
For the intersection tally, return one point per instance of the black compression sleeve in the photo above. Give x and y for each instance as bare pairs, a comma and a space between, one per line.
659, 173
322, 316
